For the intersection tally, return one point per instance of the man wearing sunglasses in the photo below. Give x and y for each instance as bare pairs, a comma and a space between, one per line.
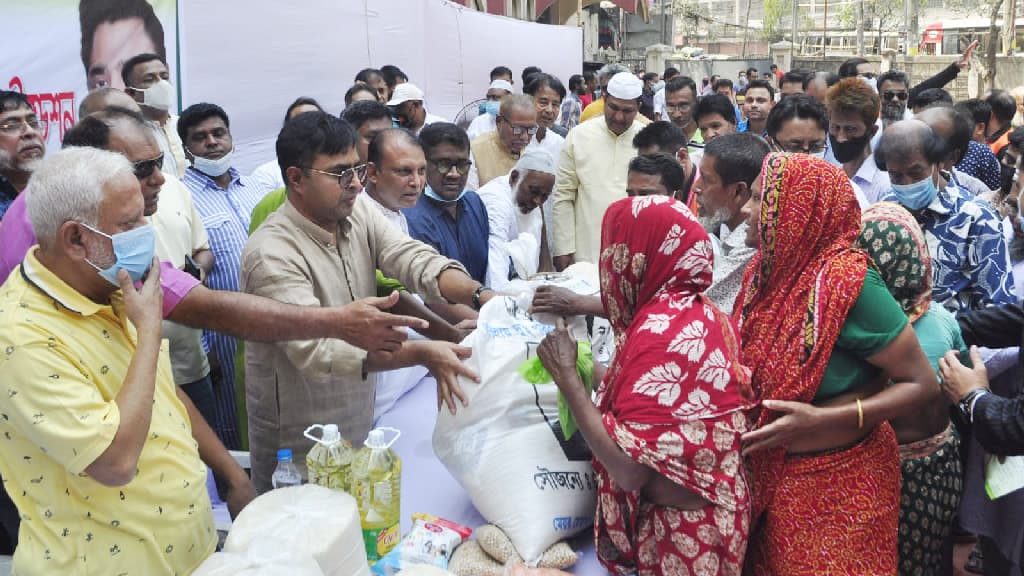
21, 145
495, 153
321, 249
894, 88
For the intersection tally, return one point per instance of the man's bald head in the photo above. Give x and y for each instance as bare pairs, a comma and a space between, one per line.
104, 98
910, 139
951, 125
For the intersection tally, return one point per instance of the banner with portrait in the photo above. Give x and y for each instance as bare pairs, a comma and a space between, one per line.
56, 50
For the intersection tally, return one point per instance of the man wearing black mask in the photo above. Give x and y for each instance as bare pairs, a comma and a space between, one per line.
853, 109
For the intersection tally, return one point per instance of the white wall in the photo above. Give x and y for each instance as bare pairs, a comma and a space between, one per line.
254, 57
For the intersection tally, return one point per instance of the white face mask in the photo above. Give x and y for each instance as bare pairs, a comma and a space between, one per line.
213, 168
159, 96
819, 155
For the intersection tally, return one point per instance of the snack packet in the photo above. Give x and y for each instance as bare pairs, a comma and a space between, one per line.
431, 541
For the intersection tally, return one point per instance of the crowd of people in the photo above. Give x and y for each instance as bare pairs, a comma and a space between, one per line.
793, 265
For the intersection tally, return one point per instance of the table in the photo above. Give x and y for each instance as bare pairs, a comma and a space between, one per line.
426, 484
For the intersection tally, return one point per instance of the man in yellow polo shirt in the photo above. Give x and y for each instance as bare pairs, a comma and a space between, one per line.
96, 449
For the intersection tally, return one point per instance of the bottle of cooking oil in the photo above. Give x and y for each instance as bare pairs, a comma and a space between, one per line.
329, 462
376, 484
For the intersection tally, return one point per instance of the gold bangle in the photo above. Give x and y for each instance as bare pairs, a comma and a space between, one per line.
860, 415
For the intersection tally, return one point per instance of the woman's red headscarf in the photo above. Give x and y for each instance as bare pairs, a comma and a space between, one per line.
673, 397
798, 289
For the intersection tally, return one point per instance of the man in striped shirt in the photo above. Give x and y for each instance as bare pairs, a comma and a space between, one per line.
225, 201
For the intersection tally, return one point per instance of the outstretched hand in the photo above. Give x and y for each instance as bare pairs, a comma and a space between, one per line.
964, 62
366, 325
956, 379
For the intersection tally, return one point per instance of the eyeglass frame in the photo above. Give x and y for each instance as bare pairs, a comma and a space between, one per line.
347, 175
152, 164
901, 95
519, 130
436, 164
19, 125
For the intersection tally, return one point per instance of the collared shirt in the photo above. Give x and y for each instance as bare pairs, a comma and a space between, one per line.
65, 363
463, 238
970, 259
571, 109
874, 183
394, 216
180, 233
7, 195
167, 138
730, 265
290, 385
510, 253
429, 119
981, 163
226, 215
591, 175
17, 236
490, 159
267, 176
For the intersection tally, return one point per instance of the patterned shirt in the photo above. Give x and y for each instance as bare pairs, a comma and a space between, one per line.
226, 215
64, 361
7, 195
970, 259
570, 112
981, 163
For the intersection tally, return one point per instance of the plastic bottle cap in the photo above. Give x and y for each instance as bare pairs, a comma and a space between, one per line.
331, 434
375, 439
284, 454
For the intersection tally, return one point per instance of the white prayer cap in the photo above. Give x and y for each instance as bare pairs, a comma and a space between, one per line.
536, 160
404, 93
625, 85
501, 85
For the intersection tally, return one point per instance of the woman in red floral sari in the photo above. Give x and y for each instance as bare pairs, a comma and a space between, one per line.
822, 333
665, 433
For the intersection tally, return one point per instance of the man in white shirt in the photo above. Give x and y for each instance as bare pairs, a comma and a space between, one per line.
407, 107
396, 173
517, 243
147, 81
268, 175
592, 172
485, 122
659, 95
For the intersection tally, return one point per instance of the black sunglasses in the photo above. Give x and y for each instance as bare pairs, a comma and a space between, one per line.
889, 95
144, 168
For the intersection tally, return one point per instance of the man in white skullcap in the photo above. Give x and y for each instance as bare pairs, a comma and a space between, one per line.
406, 106
517, 243
485, 122
592, 172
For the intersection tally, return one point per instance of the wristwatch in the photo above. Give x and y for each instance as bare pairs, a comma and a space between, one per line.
966, 404
476, 296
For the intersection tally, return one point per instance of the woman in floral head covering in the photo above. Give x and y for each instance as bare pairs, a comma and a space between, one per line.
672, 494
929, 451
821, 332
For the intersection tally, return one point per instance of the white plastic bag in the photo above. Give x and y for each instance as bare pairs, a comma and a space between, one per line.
257, 563
306, 521
506, 447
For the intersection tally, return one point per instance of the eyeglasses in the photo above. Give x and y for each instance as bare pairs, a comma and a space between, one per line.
889, 95
144, 168
346, 176
802, 147
520, 130
445, 166
20, 125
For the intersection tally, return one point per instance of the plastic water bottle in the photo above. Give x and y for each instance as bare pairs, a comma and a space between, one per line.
377, 485
285, 474
329, 461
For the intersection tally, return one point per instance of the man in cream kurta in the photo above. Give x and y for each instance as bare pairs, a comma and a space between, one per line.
321, 248
592, 173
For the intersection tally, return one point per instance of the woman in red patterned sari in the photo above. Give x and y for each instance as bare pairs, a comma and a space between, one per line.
665, 433
821, 333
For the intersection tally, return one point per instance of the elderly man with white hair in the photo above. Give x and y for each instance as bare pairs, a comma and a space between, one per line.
592, 172
98, 452
486, 121
518, 243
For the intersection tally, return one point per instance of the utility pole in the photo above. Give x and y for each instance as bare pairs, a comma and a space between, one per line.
860, 28
796, 30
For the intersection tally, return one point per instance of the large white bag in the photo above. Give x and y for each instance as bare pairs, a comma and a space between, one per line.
258, 562
307, 521
506, 447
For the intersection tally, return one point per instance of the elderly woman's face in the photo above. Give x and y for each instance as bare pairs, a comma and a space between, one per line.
753, 208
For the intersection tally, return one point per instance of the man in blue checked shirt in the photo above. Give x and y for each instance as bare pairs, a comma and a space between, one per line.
970, 260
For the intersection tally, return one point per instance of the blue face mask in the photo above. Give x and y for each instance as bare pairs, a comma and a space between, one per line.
429, 192
917, 195
133, 250
490, 107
